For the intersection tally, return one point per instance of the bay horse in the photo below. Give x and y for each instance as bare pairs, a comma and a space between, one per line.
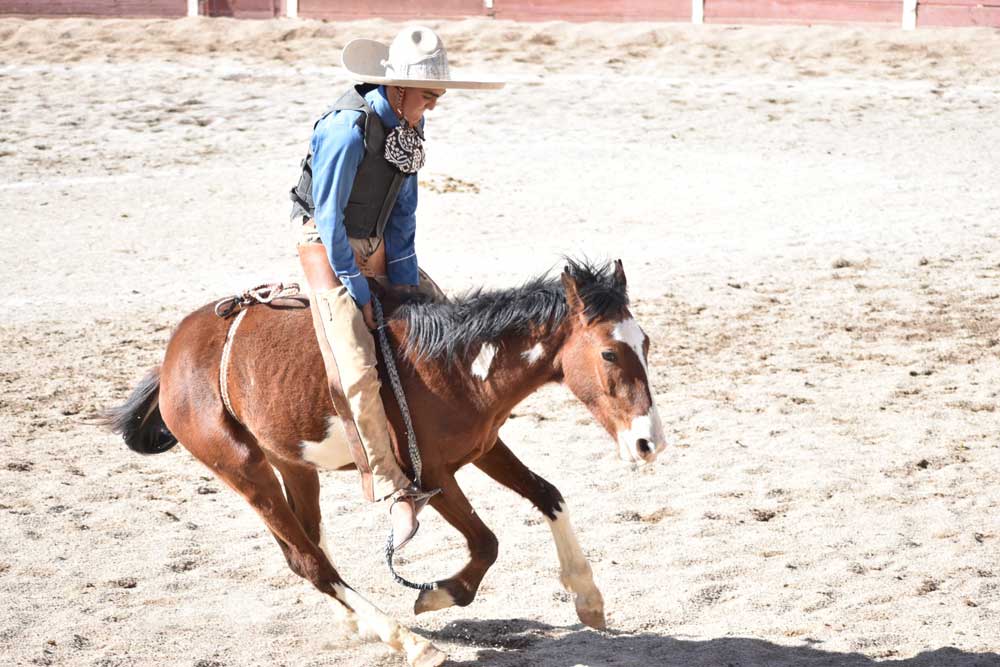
464, 364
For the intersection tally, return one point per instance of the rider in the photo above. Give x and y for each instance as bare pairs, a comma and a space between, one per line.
356, 201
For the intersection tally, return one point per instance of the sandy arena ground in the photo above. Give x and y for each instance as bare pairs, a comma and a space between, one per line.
809, 221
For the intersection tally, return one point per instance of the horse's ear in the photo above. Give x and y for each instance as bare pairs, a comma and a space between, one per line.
620, 274
572, 293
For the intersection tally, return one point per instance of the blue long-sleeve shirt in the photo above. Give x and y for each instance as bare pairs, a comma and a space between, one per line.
338, 147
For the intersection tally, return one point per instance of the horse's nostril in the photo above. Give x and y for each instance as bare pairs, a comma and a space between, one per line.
644, 446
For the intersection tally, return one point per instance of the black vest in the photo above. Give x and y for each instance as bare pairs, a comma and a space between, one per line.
377, 183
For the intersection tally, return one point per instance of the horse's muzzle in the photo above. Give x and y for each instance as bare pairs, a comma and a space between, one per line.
643, 440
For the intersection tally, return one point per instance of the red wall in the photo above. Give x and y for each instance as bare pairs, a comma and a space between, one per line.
593, 10
94, 7
244, 9
390, 9
959, 13
804, 11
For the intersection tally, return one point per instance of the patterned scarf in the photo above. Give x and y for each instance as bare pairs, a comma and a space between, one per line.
404, 148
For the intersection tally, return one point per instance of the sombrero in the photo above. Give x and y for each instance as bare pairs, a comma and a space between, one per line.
415, 59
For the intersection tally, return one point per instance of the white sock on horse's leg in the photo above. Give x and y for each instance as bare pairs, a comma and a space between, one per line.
322, 542
419, 652
350, 623
575, 573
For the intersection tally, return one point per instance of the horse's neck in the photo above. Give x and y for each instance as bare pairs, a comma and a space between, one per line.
505, 374
491, 380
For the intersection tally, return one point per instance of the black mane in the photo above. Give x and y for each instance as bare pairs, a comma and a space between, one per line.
446, 330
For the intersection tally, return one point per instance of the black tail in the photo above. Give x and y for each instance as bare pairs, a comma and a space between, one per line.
139, 421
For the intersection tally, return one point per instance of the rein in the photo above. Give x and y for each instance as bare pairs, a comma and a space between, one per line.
411, 436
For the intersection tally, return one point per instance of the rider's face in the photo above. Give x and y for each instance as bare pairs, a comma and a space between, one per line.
418, 100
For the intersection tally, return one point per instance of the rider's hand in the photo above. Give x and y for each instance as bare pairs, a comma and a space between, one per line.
369, 315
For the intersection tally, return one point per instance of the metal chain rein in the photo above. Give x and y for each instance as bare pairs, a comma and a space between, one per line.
411, 436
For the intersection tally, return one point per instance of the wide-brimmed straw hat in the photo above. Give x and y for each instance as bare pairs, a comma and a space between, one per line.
415, 59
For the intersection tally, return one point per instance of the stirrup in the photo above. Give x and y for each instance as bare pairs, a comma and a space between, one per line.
418, 496
419, 499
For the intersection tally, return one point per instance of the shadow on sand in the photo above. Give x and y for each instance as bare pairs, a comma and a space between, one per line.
523, 643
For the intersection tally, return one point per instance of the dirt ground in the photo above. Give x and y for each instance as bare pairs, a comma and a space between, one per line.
809, 220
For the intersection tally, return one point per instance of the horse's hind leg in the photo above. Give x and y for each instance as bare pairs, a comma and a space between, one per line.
302, 493
238, 461
575, 573
301, 484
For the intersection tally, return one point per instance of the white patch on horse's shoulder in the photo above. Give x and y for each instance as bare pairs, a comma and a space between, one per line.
331, 452
534, 354
629, 332
481, 364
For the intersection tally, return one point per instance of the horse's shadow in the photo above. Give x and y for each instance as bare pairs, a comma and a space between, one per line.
524, 643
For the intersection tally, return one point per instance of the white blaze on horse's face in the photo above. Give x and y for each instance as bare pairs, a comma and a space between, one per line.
644, 438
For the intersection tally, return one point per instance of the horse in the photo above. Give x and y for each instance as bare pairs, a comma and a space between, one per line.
464, 365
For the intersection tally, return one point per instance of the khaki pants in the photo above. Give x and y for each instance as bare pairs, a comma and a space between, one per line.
352, 348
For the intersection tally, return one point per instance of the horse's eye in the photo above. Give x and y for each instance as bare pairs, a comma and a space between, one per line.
609, 356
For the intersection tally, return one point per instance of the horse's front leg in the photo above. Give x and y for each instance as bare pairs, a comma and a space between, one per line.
575, 573
459, 589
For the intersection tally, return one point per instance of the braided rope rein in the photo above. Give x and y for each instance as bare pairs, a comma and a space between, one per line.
411, 436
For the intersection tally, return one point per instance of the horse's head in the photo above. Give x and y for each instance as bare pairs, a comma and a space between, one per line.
603, 360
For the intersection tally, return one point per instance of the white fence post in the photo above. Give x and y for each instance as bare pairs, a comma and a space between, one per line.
192, 7
697, 11
292, 9
909, 14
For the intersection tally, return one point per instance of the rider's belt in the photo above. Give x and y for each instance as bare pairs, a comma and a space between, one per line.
369, 254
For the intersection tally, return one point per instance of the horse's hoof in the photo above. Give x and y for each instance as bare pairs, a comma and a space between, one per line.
425, 654
432, 600
593, 618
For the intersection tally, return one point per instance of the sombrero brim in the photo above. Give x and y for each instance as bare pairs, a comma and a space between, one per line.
362, 58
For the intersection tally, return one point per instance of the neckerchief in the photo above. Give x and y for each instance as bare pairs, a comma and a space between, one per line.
404, 148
